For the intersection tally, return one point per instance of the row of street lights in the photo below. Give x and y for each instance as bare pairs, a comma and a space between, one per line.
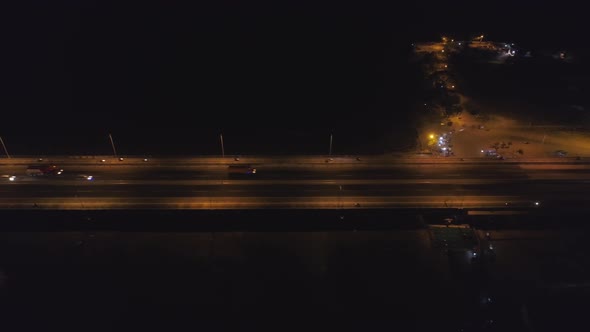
115, 150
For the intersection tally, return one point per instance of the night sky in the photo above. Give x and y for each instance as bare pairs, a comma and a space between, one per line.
169, 72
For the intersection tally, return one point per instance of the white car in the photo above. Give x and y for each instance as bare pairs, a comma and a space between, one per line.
9, 177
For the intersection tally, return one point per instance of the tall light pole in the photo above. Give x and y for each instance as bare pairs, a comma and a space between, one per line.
222, 148
4, 146
330, 153
113, 145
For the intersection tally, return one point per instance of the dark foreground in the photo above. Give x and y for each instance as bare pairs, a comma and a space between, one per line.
375, 270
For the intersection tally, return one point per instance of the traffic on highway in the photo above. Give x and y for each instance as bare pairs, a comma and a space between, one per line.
234, 184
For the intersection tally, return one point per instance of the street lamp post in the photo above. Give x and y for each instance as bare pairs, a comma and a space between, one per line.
113, 145
330, 152
222, 148
4, 146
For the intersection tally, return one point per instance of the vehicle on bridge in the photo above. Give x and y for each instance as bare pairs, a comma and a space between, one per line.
9, 177
237, 170
44, 170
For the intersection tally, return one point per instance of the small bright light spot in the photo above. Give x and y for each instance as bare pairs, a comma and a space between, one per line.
89, 177
459, 44
481, 151
12, 178
145, 159
443, 51
446, 66
431, 136
536, 203
444, 149
452, 86
102, 161
120, 159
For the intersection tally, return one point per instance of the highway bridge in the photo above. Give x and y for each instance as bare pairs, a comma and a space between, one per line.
297, 182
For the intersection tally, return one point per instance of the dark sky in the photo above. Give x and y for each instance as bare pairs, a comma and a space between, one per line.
167, 65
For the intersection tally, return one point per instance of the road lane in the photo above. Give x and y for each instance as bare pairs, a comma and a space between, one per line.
329, 202
287, 190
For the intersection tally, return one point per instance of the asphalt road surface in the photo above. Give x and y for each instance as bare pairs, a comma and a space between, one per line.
298, 182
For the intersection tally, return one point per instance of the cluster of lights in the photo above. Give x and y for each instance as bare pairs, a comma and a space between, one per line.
442, 143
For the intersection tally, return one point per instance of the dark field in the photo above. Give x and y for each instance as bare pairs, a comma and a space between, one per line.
384, 273
540, 89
